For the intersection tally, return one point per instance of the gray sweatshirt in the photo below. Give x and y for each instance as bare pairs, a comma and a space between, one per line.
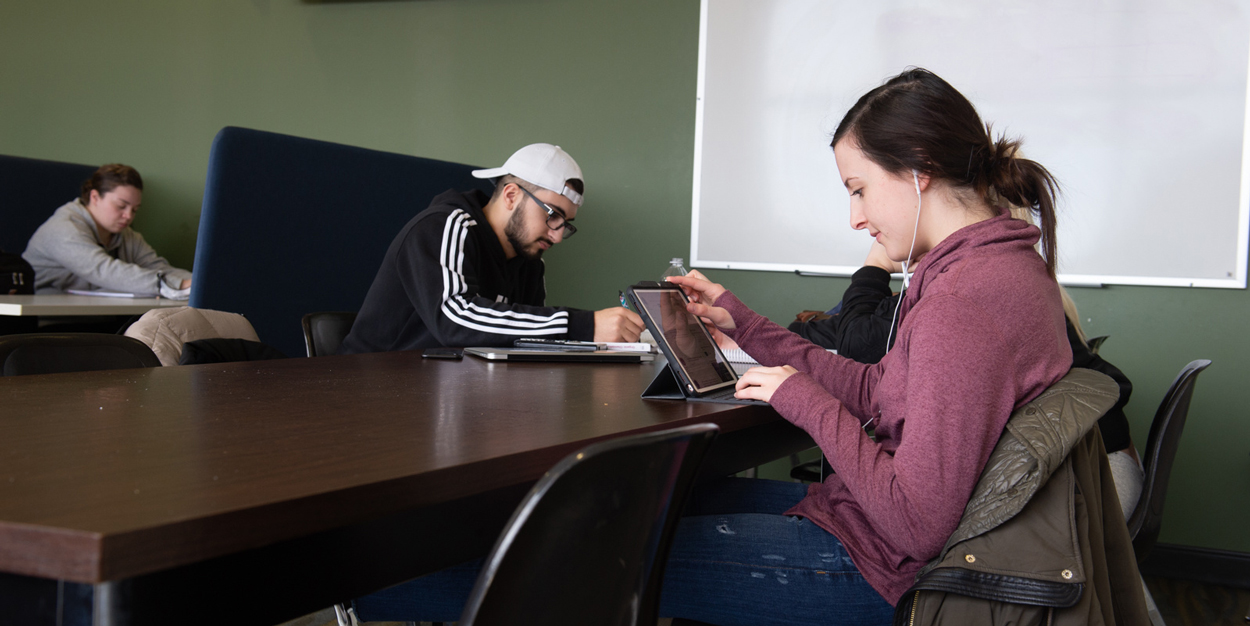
67, 253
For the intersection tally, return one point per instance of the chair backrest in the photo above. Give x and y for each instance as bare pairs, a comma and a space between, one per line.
589, 543
292, 225
33, 190
1095, 343
1165, 437
52, 353
324, 331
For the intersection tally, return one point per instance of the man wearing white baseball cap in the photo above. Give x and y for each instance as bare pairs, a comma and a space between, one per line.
468, 270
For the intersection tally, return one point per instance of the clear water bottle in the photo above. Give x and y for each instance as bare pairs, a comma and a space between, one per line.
675, 268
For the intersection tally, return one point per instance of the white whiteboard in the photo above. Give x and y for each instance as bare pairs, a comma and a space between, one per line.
1138, 107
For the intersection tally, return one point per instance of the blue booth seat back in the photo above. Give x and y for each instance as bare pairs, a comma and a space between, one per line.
291, 225
33, 189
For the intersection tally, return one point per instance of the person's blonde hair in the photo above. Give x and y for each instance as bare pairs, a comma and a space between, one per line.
1069, 306
1074, 316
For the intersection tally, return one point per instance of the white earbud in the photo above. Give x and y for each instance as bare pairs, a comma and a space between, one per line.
915, 179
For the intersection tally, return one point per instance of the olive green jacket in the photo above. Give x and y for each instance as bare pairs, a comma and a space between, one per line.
1042, 540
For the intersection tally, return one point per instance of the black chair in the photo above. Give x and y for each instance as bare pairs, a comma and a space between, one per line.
51, 353
589, 543
1095, 343
324, 332
811, 471
1165, 437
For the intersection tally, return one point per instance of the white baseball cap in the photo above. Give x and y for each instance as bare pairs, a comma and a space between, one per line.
542, 164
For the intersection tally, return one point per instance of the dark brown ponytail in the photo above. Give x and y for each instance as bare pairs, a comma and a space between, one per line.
917, 121
1015, 180
108, 178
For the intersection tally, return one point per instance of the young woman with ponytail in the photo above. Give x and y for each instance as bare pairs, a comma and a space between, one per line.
865, 322
980, 332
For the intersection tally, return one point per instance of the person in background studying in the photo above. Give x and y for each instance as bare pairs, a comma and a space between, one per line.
88, 243
468, 270
863, 324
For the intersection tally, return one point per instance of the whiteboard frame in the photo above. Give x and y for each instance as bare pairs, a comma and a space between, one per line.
1238, 281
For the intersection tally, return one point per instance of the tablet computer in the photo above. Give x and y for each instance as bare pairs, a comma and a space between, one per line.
698, 363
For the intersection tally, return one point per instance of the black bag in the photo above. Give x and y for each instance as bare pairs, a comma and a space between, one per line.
16, 275
226, 351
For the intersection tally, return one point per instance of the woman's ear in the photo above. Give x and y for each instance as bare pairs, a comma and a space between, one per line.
93, 197
921, 180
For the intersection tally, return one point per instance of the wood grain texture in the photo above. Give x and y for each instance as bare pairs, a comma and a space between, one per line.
109, 475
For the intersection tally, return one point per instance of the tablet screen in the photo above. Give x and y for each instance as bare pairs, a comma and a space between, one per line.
687, 341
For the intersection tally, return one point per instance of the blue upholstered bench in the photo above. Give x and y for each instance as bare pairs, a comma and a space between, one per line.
293, 225
33, 190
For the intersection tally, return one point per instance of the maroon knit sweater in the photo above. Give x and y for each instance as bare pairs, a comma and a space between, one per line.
981, 333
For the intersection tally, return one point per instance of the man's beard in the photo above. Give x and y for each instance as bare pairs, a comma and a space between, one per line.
513, 232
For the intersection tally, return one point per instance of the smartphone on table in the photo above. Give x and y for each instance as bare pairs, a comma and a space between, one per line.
443, 353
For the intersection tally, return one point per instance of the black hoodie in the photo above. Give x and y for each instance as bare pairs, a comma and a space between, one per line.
445, 281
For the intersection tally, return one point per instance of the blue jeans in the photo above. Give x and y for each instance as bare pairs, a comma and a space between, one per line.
735, 560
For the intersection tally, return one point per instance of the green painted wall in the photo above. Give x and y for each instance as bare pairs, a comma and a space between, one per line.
149, 83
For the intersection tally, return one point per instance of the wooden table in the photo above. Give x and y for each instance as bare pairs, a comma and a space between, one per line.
251, 493
70, 304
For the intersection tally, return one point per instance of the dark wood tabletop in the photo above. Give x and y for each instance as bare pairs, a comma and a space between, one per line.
111, 475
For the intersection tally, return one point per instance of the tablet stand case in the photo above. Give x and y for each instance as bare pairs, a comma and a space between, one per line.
666, 387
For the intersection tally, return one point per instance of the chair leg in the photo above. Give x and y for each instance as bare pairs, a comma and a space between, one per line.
1151, 608
345, 616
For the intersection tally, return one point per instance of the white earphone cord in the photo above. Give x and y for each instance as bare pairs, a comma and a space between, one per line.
906, 277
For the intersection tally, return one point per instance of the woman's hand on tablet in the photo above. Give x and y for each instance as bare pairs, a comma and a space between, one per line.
697, 287
760, 383
702, 292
